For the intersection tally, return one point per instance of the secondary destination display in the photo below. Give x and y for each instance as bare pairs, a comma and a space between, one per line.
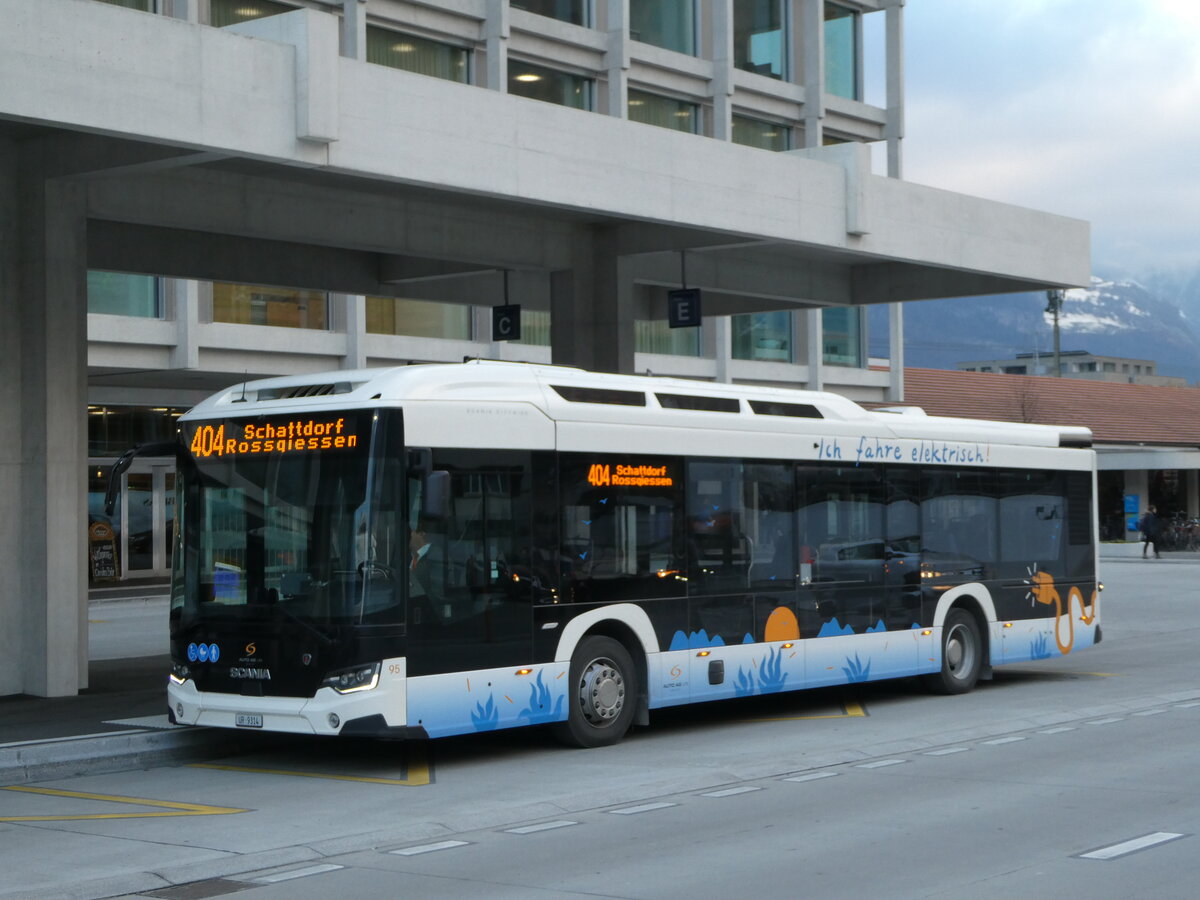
604, 475
233, 437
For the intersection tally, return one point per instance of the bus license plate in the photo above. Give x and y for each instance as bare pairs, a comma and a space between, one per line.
248, 720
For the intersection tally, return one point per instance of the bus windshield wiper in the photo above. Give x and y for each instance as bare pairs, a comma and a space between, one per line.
321, 635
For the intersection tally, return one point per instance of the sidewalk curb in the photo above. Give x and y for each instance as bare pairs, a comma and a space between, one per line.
95, 755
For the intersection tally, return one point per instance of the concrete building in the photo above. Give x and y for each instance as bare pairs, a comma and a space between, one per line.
197, 191
1079, 364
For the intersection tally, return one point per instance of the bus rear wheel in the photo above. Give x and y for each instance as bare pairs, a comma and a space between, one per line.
962, 655
602, 695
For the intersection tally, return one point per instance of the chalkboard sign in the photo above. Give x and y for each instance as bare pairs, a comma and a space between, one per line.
102, 551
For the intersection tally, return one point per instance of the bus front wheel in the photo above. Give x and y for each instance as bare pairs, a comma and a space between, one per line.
602, 694
962, 655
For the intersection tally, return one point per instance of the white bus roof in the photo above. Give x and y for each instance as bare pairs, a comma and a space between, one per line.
565, 394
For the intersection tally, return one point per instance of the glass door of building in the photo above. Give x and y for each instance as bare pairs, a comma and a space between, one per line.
143, 520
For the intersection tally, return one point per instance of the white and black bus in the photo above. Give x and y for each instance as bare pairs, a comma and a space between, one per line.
442, 549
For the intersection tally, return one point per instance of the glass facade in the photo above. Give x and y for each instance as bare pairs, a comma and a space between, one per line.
664, 23
417, 54
114, 429
762, 336
665, 112
244, 304
231, 12
842, 336
841, 52
577, 12
757, 133
759, 37
656, 336
121, 294
535, 328
143, 5
538, 83
418, 318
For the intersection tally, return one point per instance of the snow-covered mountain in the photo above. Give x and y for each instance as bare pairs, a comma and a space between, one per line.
1111, 318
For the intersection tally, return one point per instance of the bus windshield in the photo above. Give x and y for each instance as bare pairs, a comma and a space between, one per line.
292, 518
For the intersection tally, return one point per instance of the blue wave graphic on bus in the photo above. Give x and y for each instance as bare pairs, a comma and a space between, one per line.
539, 709
1039, 648
486, 717
834, 628
876, 628
697, 640
771, 675
744, 686
855, 670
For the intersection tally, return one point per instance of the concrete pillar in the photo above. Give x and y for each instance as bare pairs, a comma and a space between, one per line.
43, 486
722, 60
495, 35
354, 30
184, 307
591, 306
893, 128
895, 389
815, 332
812, 14
616, 59
188, 10
722, 333
355, 306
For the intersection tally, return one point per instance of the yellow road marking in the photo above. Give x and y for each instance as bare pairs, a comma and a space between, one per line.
418, 775
851, 709
165, 807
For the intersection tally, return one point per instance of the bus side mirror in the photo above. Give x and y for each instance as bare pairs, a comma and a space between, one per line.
420, 462
435, 496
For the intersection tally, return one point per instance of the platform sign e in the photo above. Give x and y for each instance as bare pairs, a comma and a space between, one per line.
683, 308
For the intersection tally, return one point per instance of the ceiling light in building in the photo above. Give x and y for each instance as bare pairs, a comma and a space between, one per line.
403, 47
637, 102
248, 11
683, 113
528, 76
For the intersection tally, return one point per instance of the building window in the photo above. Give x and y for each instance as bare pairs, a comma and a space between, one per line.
757, 133
535, 328
537, 83
664, 23
759, 37
416, 54
841, 51
120, 294
1014, 370
665, 112
1110, 367
143, 5
232, 12
576, 12
114, 429
763, 336
243, 304
841, 328
656, 336
418, 318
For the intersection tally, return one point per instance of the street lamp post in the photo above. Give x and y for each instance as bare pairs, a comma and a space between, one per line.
1054, 307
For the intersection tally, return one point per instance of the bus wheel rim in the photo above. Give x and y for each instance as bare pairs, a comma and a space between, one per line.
601, 692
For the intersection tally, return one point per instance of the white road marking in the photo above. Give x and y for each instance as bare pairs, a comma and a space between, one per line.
1109, 721
1150, 712
1059, 730
880, 763
641, 808
946, 751
429, 848
729, 792
1132, 846
812, 776
541, 826
1012, 739
298, 873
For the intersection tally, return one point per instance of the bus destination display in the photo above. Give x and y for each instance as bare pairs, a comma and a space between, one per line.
237, 438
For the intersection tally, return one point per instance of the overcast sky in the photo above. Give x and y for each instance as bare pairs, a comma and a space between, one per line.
1086, 108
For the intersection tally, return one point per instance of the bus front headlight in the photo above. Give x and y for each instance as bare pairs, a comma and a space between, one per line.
356, 678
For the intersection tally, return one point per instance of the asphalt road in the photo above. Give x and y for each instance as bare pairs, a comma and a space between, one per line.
1072, 777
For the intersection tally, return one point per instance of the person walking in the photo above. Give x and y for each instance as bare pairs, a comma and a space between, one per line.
1151, 526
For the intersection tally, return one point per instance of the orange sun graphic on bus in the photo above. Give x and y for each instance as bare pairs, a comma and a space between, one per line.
781, 625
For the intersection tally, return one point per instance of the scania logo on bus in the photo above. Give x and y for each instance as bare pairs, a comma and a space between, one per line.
249, 672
